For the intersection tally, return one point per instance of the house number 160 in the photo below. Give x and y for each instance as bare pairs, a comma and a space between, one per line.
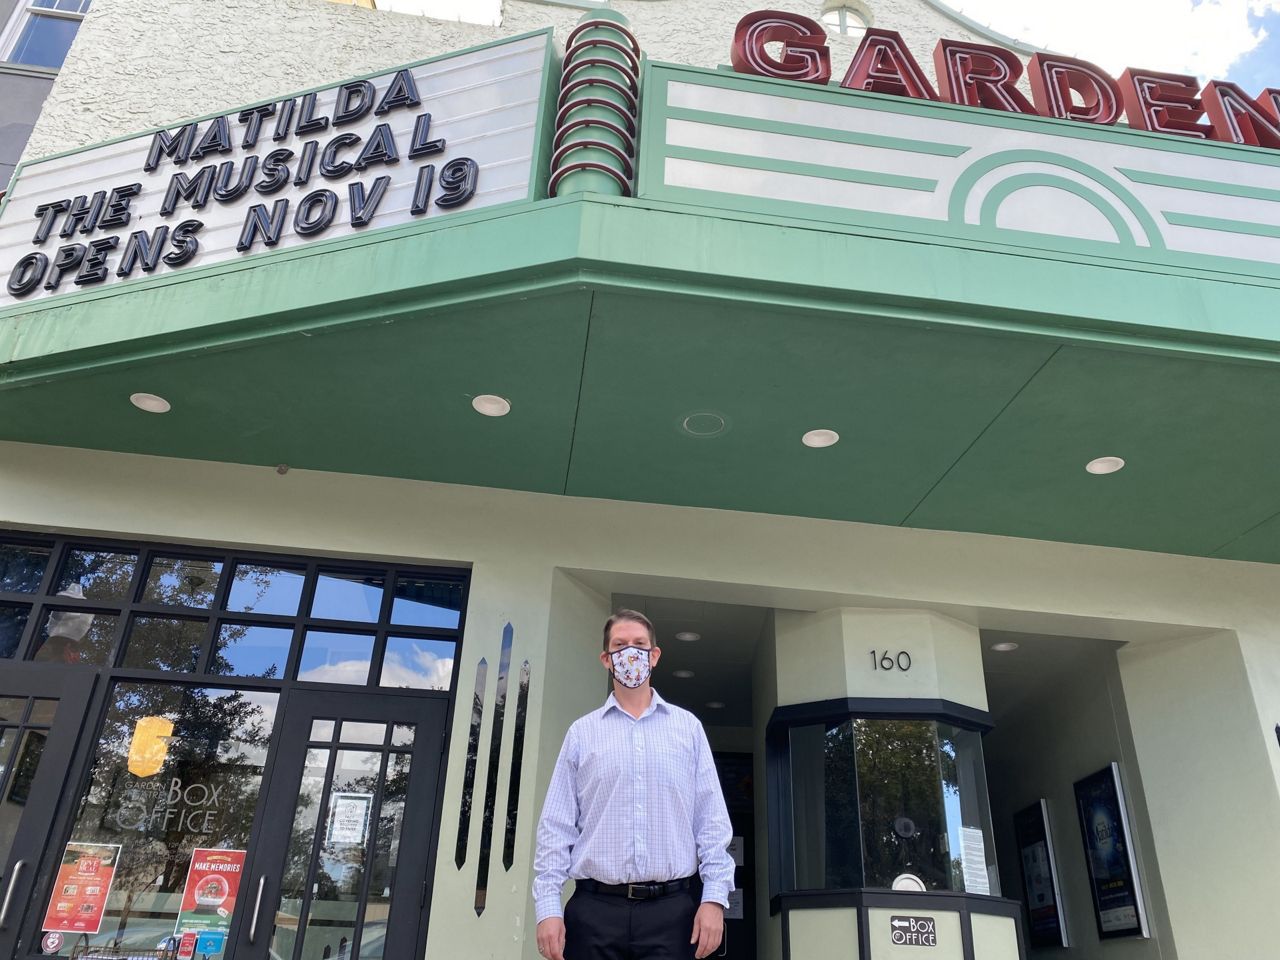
883, 660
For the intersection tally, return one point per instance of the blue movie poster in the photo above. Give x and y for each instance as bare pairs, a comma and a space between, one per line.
1112, 868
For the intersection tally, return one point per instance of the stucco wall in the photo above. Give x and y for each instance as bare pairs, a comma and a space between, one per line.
131, 69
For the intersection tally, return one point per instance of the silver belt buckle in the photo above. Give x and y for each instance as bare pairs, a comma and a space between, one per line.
631, 894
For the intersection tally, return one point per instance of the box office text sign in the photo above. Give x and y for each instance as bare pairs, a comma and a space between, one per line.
423, 141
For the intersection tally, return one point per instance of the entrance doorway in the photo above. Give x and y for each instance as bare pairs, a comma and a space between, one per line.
349, 878
217, 755
708, 656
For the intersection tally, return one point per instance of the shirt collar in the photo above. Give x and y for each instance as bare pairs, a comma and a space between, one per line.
611, 703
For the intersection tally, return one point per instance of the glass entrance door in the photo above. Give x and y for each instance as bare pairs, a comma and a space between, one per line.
41, 712
344, 871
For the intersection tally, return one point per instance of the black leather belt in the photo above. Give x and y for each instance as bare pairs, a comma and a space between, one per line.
636, 891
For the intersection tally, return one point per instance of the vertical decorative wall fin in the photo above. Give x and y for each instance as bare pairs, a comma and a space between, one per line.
491, 781
595, 132
469, 777
517, 760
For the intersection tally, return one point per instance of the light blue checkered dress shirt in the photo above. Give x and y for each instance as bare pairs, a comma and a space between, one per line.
633, 800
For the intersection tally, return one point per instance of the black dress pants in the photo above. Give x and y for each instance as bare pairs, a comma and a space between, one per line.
599, 926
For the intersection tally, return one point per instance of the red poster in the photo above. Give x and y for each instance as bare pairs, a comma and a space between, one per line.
79, 897
209, 897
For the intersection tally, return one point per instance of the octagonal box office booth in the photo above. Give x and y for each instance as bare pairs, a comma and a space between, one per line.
879, 826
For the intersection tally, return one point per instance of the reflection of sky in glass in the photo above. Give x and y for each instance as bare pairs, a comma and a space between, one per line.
335, 657
266, 590
250, 651
426, 603
347, 596
417, 663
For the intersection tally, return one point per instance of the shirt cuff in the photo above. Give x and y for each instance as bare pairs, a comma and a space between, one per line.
548, 907
716, 893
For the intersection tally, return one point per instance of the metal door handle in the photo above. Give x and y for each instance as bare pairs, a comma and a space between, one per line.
257, 907
8, 894
724, 941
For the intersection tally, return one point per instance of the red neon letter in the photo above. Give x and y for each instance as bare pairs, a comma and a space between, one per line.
804, 47
1235, 118
1055, 79
883, 64
1162, 102
979, 76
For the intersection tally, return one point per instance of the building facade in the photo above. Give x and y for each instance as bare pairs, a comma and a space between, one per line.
356, 366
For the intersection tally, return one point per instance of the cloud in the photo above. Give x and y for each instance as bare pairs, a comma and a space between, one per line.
1204, 37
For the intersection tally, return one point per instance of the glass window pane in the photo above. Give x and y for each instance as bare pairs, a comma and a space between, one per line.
824, 803
335, 657
44, 41
97, 575
321, 730
347, 596
421, 664
402, 735
176, 769
422, 602
331, 919
11, 709
293, 885
249, 651
353, 732
13, 620
17, 791
968, 811
8, 737
182, 582
386, 852
259, 589
76, 636
157, 643
42, 713
22, 567
903, 822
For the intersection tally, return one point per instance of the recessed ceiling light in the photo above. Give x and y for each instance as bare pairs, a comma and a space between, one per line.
704, 424
491, 405
1004, 646
820, 438
150, 402
1104, 465
683, 674
688, 636
715, 705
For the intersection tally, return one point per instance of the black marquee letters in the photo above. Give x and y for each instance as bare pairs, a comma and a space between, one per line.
229, 181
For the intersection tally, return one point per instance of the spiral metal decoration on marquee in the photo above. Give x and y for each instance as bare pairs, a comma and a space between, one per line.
595, 131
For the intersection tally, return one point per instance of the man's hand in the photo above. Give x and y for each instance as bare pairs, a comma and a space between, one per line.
551, 938
708, 929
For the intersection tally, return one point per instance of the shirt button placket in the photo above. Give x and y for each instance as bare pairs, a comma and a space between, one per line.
637, 737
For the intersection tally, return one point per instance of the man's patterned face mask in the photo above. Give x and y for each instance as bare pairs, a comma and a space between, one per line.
631, 666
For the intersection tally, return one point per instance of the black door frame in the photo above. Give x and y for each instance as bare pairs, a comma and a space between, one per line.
47, 815
281, 786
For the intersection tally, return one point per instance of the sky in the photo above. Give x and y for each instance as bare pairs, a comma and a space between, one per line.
1236, 40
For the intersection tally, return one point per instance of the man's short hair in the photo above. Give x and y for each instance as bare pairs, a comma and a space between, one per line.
636, 617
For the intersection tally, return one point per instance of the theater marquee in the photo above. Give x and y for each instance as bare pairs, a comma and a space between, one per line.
450, 134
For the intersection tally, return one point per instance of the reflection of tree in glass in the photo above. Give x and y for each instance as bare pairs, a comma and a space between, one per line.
899, 781
215, 754
229, 635
182, 581
840, 793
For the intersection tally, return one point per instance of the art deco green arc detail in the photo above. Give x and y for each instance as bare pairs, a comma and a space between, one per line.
971, 370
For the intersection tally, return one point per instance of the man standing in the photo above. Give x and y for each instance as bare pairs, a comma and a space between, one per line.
635, 815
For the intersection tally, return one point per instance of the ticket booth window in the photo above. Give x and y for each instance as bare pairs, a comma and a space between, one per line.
881, 803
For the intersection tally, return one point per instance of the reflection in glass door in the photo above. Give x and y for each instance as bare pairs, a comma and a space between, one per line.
40, 717
357, 780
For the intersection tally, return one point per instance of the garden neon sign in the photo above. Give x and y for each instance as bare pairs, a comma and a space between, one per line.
977, 75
